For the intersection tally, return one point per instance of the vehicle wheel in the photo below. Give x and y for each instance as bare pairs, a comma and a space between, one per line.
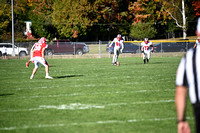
79, 52
49, 52
22, 53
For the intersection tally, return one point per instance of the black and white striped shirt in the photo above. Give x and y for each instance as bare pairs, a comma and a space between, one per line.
188, 74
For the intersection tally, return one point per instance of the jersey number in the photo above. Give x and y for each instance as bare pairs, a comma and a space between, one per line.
146, 47
38, 47
117, 44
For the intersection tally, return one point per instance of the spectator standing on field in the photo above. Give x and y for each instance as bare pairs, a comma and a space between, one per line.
4, 52
188, 80
119, 46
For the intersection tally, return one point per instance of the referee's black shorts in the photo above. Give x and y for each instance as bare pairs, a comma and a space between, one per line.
197, 116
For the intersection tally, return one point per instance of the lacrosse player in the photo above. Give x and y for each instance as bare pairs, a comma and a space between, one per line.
119, 46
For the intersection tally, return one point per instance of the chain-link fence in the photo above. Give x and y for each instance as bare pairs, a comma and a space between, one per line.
101, 49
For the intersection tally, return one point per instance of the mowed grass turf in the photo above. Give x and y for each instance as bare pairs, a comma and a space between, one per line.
89, 96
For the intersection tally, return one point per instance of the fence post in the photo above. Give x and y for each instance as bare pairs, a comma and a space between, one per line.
74, 49
99, 48
161, 50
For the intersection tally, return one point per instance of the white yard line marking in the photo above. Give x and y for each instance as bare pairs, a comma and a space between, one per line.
91, 123
95, 93
79, 106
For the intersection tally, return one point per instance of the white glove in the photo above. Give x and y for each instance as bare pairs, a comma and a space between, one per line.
121, 50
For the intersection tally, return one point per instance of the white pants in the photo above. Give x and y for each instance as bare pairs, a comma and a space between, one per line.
38, 60
147, 54
116, 54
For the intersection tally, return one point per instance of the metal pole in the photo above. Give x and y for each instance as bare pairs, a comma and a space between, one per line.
13, 42
99, 48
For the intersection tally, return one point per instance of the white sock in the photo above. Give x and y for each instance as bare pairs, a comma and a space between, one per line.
47, 74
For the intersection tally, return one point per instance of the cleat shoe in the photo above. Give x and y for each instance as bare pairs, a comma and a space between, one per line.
48, 77
31, 77
27, 65
144, 61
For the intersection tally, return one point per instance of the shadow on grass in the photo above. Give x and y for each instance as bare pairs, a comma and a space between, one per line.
8, 94
68, 76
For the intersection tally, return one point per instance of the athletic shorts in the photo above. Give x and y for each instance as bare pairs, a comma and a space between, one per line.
4, 54
38, 60
197, 116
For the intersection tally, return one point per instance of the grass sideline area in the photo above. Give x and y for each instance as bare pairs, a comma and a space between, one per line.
90, 96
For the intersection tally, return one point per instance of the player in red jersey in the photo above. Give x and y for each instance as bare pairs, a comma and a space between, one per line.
38, 57
30, 60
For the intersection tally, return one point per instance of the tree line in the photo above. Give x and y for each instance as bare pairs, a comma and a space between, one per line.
92, 20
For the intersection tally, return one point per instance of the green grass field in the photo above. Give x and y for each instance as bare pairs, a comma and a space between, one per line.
90, 96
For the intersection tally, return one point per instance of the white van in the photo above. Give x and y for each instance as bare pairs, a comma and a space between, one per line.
18, 50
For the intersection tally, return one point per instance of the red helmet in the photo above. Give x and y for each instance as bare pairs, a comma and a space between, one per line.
42, 40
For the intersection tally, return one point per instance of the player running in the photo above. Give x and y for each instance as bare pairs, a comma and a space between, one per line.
38, 57
119, 45
145, 48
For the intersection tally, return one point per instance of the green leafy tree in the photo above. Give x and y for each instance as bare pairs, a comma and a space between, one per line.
40, 16
110, 18
5, 18
143, 30
71, 17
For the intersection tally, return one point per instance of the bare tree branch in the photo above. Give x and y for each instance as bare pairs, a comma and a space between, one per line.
177, 8
173, 18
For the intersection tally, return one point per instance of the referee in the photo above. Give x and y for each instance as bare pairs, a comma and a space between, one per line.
188, 79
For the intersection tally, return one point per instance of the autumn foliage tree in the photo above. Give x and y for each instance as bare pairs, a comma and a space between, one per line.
196, 5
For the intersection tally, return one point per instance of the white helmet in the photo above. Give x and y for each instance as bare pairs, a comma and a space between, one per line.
146, 39
119, 36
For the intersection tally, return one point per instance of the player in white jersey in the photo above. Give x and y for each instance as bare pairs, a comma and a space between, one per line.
146, 48
119, 45
197, 42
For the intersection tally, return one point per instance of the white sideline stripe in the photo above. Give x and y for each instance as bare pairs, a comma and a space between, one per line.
98, 93
95, 93
79, 106
92, 123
